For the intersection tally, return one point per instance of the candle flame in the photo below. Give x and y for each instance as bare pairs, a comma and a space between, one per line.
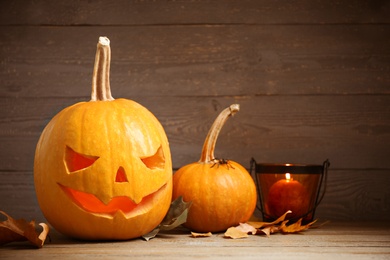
288, 176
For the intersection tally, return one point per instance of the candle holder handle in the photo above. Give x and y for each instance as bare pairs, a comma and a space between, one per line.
324, 179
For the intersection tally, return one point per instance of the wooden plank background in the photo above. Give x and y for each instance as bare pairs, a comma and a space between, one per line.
312, 79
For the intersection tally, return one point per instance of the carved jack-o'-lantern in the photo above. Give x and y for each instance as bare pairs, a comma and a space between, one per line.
102, 168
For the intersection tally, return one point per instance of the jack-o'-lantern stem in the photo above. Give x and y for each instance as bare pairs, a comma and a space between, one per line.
207, 155
101, 72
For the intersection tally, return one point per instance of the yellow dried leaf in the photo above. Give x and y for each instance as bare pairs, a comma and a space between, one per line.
12, 230
257, 224
209, 234
235, 233
295, 227
246, 228
266, 231
44, 233
279, 225
276, 228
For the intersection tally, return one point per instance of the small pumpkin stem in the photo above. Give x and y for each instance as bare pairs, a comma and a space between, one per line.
101, 72
207, 155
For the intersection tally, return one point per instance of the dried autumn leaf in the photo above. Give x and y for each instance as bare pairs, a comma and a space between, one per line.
235, 233
246, 228
258, 225
177, 215
266, 231
12, 230
208, 234
151, 234
295, 227
279, 225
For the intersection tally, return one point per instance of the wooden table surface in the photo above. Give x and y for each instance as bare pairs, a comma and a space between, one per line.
338, 240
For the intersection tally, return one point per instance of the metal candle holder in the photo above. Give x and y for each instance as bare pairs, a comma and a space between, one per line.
312, 177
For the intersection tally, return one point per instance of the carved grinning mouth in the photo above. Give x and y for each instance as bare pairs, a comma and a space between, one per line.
93, 204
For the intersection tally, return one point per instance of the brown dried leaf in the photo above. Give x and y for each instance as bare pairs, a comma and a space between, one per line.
8, 236
258, 225
279, 225
209, 234
12, 230
235, 233
295, 227
276, 228
176, 215
266, 231
246, 228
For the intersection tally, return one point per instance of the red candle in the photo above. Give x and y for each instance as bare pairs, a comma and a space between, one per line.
287, 194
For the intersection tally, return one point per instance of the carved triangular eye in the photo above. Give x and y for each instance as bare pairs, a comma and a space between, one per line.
155, 161
76, 161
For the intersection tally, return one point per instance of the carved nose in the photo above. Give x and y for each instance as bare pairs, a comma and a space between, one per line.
121, 175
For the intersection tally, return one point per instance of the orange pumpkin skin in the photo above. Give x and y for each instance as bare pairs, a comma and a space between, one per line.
222, 196
103, 170
223, 193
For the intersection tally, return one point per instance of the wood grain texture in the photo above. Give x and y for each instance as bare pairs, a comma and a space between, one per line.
354, 199
355, 240
198, 60
134, 12
312, 79
353, 132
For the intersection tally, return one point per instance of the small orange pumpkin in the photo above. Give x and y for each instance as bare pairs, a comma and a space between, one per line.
222, 192
102, 168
